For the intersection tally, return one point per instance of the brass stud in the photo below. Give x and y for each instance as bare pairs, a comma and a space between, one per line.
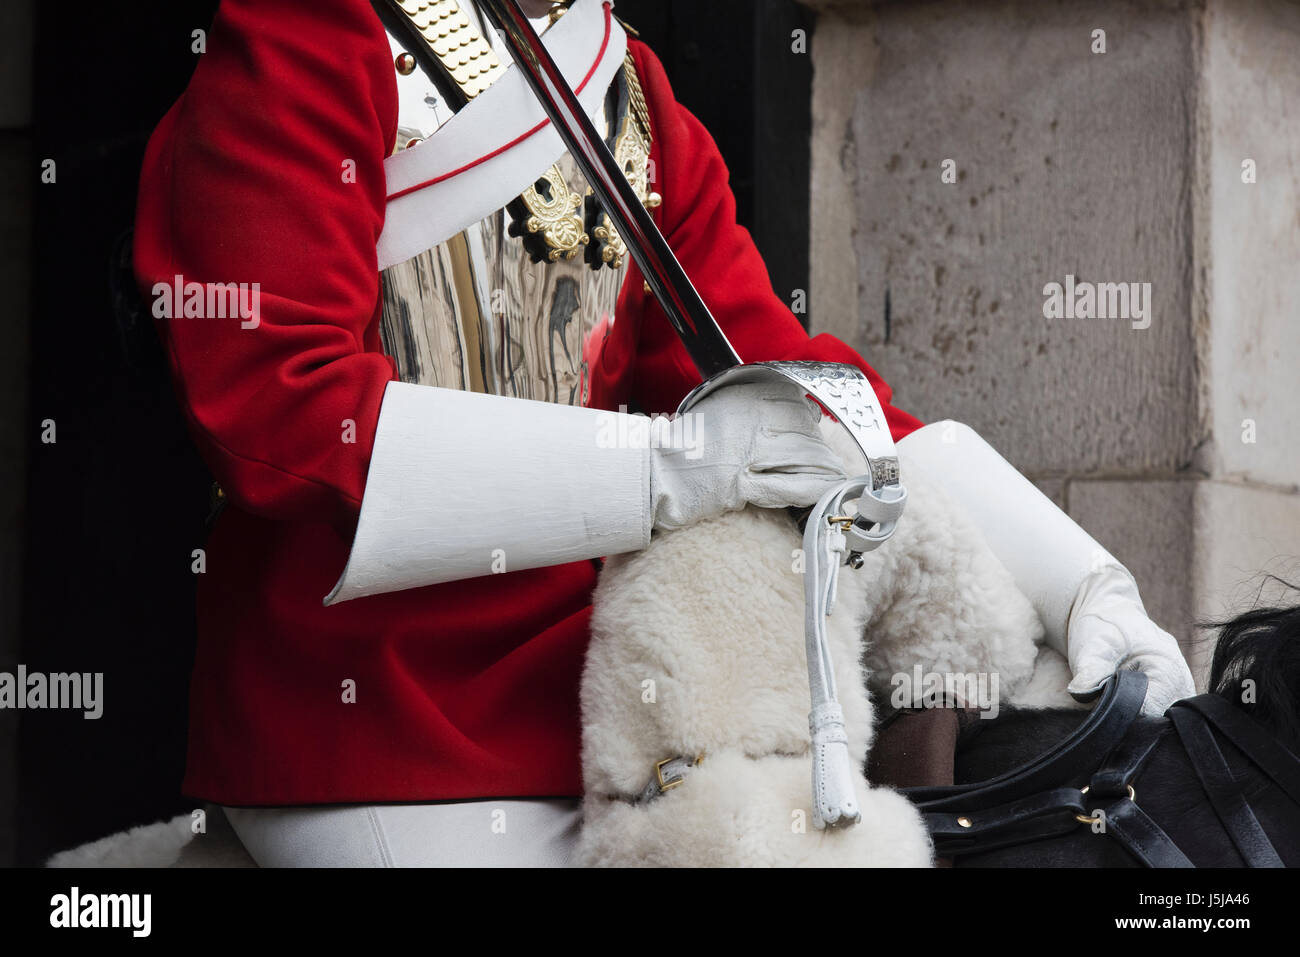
964, 821
405, 64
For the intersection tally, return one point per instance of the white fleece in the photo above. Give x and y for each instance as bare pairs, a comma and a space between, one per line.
698, 647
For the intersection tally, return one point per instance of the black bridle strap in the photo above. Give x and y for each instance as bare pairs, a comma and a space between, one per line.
1124, 821
1046, 814
1113, 778
1221, 788
1265, 752
1142, 837
1074, 757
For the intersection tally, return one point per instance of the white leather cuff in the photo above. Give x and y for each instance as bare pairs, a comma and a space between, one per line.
1047, 553
463, 484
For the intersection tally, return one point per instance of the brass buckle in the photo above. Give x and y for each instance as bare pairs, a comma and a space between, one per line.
675, 782
659, 775
1086, 819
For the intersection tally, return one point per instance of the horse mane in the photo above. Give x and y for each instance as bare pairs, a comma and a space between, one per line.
1261, 646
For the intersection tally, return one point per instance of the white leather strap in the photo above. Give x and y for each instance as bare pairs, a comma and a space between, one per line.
828, 535
499, 142
463, 484
847, 393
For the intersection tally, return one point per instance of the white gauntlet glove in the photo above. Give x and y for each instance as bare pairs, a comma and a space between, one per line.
1087, 600
1109, 629
463, 484
752, 443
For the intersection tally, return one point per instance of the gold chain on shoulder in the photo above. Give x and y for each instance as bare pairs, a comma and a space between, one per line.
637, 98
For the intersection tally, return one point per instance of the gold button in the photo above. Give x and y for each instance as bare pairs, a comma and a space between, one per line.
964, 821
405, 64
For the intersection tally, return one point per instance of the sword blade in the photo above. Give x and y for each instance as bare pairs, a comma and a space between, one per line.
700, 333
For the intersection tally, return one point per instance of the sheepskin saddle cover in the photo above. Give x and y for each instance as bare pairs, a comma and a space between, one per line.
697, 649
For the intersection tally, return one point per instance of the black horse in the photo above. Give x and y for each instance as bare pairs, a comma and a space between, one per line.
1215, 782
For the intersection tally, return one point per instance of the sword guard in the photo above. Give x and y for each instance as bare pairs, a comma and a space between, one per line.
841, 388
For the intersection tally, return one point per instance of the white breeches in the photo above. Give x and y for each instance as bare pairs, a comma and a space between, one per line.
485, 833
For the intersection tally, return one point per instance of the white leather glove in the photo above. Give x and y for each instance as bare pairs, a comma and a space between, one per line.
752, 443
1109, 629
1087, 600
463, 484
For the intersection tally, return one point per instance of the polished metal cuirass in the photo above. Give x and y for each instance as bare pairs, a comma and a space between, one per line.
476, 312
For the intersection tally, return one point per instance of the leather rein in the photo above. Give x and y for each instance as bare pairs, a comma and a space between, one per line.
1035, 801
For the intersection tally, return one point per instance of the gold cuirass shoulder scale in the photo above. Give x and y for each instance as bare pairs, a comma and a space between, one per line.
508, 305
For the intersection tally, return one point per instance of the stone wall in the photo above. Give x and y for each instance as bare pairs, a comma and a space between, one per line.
1174, 444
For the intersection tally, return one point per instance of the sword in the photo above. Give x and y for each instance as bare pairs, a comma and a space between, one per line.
841, 388
700, 333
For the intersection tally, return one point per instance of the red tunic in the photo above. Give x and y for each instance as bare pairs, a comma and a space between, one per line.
468, 689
